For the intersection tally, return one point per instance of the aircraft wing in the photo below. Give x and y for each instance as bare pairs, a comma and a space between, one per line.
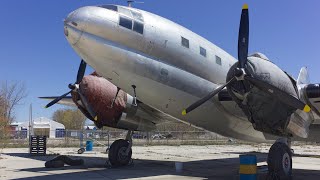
67, 101
158, 116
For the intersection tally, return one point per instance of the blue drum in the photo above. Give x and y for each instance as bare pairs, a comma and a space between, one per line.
89, 145
248, 167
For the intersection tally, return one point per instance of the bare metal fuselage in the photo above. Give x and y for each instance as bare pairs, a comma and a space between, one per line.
168, 75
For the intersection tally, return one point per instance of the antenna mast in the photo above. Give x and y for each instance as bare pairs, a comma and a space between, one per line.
130, 3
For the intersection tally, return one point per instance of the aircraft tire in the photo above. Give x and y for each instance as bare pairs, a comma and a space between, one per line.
81, 150
280, 161
54, 164
117, 155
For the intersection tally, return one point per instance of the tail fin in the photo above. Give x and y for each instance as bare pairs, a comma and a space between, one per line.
303, 77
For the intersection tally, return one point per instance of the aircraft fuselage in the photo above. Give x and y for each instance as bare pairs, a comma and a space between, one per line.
170, 65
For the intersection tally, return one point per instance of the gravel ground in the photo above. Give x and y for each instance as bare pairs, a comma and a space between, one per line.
155, 162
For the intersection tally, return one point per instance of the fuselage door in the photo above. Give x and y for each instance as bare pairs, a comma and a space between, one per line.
149, 37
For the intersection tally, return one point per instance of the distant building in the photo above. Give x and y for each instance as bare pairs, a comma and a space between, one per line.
15, 126
41, 126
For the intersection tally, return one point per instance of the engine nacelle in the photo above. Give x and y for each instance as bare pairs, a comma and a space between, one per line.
311, 93
267, 113
99, 94
134, 118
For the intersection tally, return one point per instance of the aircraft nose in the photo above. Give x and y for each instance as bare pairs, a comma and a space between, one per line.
74, 25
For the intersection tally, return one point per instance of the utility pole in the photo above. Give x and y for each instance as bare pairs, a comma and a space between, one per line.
30, 126
30, 121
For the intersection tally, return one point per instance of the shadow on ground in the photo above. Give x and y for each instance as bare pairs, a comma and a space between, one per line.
94, 168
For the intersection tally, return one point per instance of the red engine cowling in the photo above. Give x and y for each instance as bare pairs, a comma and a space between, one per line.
94, 98
99, 94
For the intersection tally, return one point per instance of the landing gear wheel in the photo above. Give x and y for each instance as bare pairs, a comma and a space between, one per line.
117, 153
280, 161
81, 150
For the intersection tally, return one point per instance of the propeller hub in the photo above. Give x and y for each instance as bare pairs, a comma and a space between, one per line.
71, 86
239, 73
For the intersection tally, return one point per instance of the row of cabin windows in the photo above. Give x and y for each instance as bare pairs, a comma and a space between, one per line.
134, 21
203, 51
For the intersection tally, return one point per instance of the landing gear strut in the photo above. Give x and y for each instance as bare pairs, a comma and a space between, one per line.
280, 159
120, 151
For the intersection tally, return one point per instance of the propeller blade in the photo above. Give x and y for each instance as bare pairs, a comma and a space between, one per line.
243, 39
279, 94
57, 100
87, 105
81, 71
206, 98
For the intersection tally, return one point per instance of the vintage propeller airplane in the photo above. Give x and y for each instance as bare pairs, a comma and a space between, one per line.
148, 69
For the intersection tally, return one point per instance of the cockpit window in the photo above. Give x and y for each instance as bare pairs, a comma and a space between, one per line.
125, 22
137, 16
131, 19
125, 11
138, 27
110, 7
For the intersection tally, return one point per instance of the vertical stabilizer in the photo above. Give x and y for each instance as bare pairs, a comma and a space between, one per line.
303, 77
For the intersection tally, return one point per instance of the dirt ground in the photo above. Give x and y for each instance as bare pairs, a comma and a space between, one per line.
155, 162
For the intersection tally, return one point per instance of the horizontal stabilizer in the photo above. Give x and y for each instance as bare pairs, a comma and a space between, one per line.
64, 101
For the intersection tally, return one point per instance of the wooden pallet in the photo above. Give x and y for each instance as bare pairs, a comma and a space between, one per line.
38, 145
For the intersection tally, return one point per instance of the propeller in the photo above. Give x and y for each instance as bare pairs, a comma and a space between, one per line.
243, 38
206, 98
87, 105
57, 99
240, 73
75, 87
81, 71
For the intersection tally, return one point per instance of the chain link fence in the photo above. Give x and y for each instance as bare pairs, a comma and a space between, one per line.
74, 138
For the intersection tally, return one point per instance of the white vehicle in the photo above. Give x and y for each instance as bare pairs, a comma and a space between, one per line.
158, 136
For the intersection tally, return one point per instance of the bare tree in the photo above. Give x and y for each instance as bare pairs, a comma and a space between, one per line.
11, 95
3, 107
3, 119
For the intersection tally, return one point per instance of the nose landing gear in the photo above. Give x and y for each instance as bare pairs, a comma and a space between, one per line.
120, 151
280, 160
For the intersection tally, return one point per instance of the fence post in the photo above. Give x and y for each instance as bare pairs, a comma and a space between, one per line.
108, 139
148, 138
65, 138
182, 137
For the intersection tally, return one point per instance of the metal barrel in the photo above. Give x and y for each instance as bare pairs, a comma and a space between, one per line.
248, 167
89, 146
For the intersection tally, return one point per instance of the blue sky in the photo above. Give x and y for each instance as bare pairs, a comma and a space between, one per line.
34, 50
